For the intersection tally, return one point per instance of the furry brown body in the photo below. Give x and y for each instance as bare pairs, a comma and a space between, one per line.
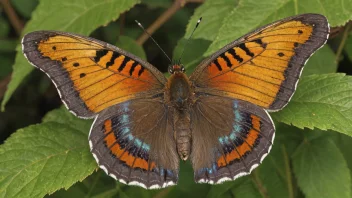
180, 99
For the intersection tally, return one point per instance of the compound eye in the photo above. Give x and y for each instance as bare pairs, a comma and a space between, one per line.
183, 69
171, 70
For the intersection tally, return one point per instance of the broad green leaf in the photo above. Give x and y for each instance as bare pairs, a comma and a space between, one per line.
321, 101
131, 46
43, 158
321, 170
63, 116
157, 3
193, 52
81, 16
322, 62
246, 190
96, 185
344, 143
251, 14
213, 13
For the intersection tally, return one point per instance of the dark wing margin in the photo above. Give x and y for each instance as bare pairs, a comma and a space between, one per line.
133, 143
90, 75
264, 66
231, 138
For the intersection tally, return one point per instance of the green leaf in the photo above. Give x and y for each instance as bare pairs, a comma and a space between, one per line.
321, 170
41, 159
251, 14
321, 101
246, 190
80, 17
131, 46
157, 3
63, 116
322, 62
24, 7
213, 13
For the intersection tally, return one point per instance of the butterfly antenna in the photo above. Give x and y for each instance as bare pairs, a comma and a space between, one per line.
145, 31
198, 22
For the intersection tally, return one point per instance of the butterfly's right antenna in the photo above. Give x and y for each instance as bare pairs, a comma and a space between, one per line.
145, 31
198, 22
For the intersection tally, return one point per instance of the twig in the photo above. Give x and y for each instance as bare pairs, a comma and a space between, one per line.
122, 23
178, 4
14, 19
343, 41
3, 84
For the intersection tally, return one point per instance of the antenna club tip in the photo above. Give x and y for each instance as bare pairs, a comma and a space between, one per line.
199, 20
138, 23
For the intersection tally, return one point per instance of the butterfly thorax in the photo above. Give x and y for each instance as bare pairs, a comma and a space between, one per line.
180, 97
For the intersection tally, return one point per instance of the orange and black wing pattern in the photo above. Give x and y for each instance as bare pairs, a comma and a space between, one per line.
263, 67
91, 75
133, 143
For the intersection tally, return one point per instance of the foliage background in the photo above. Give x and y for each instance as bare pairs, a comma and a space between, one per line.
45, 151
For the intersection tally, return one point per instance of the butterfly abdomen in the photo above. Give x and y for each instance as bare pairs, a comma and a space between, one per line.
183, 134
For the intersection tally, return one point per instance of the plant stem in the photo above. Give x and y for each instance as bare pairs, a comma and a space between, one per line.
10, 12
288, 172
343, 41
178, 4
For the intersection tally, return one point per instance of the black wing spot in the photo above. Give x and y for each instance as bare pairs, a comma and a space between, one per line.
281, 54
295, 44
300, 31
99, 54
82, 75
75, 64
54, 47
218, 65
112, 59
244, 48
237, 57
259, 41
227, 60
64, 59
141, 71
134, 65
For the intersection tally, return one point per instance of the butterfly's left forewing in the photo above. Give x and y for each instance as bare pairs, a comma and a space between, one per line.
91, 75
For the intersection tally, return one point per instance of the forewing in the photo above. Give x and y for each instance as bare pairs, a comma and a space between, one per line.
230, 138
133, 143
89, 74
263, 67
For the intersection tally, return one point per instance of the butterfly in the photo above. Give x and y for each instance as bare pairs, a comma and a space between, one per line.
145, 123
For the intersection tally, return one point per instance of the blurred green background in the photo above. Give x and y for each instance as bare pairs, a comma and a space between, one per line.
310, 162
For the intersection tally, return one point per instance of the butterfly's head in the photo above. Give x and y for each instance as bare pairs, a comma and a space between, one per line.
176, 68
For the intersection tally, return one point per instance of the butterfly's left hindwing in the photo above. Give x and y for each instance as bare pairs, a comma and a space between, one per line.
230, 138
91, 75
133, 143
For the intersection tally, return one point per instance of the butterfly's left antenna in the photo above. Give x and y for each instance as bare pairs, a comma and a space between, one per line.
198, 22
145, 31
